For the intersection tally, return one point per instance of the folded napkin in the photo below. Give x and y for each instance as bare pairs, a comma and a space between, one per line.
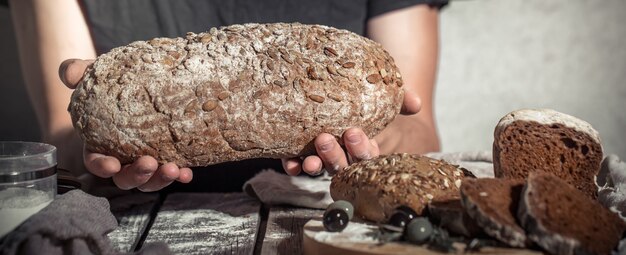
274, 188
74, 223
611, 182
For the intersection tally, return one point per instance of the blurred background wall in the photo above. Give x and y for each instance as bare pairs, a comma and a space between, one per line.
496, 56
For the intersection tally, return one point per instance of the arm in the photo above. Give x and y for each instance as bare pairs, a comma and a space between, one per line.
47, 33
410, 35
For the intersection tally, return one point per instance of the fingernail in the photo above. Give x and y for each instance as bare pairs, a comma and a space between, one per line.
63, 69
327, 146
419, 103
364, 156
290, 164
144, 189
145, 171
354, 139
318, 173
167, 178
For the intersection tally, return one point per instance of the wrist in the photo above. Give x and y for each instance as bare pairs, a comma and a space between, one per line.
69, 149
415, 134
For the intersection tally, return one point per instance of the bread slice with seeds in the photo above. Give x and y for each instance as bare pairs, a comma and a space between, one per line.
545, 140
492, 203
376, 187
562, 220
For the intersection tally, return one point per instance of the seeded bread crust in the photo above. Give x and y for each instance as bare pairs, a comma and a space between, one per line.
492, 203
233, 93
545, 140
376, 187
562, 220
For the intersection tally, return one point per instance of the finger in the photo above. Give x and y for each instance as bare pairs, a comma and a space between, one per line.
71, 71
100, 164
358, 144
292, 166
165, 175
411, 103
312, 165
374, 149
136, 174
330, 152
186, 175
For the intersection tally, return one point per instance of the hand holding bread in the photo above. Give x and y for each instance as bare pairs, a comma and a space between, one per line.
325, 82
145, 173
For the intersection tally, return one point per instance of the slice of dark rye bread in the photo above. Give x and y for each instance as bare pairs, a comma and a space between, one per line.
492, 203
562, 220
450, 214
530, 140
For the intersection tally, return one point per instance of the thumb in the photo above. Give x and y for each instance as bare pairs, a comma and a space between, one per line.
71, 71
411, 104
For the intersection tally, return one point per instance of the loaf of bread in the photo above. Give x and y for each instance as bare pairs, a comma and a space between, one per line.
376, 187
492, 203
545, 140
233, 93
562, 220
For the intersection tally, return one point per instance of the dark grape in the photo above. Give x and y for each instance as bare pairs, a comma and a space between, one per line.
402, 216
335, 220
399, 219
408, 210
343, 205
418, 231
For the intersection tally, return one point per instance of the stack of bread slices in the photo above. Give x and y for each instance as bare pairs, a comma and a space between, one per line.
542, 195
543, 192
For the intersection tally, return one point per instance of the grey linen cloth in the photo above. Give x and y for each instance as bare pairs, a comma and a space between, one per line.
274, 188
611, 182
74, 223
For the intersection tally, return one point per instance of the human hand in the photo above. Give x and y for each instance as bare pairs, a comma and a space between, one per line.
332, 157
411, 103
145, 173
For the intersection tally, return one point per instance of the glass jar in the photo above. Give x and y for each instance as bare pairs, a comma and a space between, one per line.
28, 181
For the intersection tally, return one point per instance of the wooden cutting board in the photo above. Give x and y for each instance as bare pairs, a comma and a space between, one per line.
354, 240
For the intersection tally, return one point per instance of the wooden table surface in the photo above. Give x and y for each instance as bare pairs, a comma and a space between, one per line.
208, 223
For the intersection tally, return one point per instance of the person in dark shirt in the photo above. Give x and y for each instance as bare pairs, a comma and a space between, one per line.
71, 32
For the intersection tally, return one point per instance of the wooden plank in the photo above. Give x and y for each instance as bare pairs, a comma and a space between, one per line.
207, 223
356, 239
133, 214
283, 234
